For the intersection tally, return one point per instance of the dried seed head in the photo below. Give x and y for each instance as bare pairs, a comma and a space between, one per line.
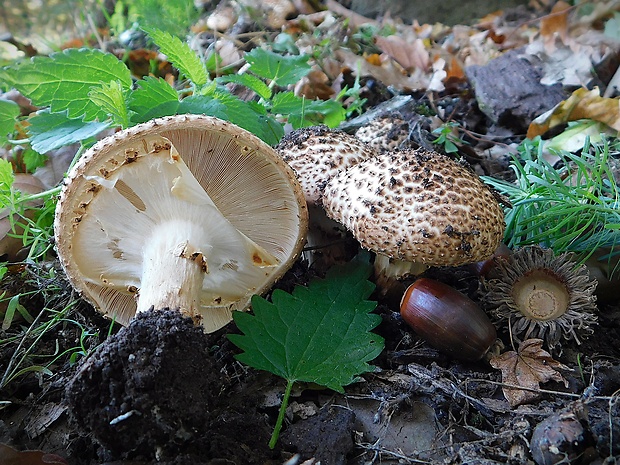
540, 295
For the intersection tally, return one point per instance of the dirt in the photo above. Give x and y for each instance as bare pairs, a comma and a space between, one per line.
161, 391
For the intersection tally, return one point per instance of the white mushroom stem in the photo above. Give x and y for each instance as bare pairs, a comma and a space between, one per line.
173, 270
389, 270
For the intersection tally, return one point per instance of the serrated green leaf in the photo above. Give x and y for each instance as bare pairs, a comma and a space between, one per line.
319, 334
153, 98
181, 55
284, 70
63, 80
230, 108
6, 175
49, 131
251, 82
111, 99
9, 111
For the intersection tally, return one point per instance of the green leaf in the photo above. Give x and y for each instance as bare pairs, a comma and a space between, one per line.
9, 111
181, 55
6, 182
319, 334
153, 98
33, 159
111, 99
230, 108
283, 70
251, 82
302, 112
49, 131
63, 80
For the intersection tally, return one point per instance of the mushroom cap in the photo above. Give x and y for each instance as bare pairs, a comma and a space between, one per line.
386, 133
417, 206
318, 153
245, 179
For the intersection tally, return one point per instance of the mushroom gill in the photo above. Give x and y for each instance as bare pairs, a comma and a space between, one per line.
541, 295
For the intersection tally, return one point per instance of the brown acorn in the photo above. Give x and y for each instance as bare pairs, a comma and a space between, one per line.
447, 319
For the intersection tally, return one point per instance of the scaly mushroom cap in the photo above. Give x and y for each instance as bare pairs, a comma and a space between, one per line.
186, 211
384, 134
318, 153
417, 206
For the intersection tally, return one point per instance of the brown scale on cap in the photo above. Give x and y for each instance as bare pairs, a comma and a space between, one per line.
384, 134
417, 206
318, 153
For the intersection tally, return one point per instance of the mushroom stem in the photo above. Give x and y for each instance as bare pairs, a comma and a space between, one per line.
173, 270
390, 270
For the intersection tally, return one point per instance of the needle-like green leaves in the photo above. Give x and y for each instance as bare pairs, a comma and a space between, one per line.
319, 334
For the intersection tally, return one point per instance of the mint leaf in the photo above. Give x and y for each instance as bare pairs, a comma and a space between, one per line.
181, 55
63, 80
111, 99
9, 111
319, 334
153, 98
283, 70
49, 131
251, 82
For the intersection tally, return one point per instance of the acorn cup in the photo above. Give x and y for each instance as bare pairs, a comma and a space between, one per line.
447, 320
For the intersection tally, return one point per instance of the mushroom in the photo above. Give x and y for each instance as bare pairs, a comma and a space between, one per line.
317, 154
387, 133
186, 212
415, 209
540, 295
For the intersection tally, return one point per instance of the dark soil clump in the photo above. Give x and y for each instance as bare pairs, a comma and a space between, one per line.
129, 396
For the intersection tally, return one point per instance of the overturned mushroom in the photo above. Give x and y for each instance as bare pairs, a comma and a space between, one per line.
186, 212
416, 209
540, 295
317, 154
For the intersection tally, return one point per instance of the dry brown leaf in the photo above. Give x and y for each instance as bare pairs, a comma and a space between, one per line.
555, 24
410, 55
314, 85
527, 368
387, 73
10, 456
582, 104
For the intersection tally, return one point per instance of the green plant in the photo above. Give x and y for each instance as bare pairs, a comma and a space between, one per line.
83, 92
31, 338
446, 138
573, 208
319, 334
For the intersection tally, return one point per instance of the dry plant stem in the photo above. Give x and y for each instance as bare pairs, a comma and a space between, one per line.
173, 270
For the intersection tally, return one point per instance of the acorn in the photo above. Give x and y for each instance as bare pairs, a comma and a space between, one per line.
447, 319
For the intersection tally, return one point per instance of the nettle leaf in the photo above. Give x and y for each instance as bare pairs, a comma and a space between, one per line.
318, 334
111, 99
181, 55
230, 108
251, 82
49, 131
284, 70
63, 80
153, 98
9, 111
